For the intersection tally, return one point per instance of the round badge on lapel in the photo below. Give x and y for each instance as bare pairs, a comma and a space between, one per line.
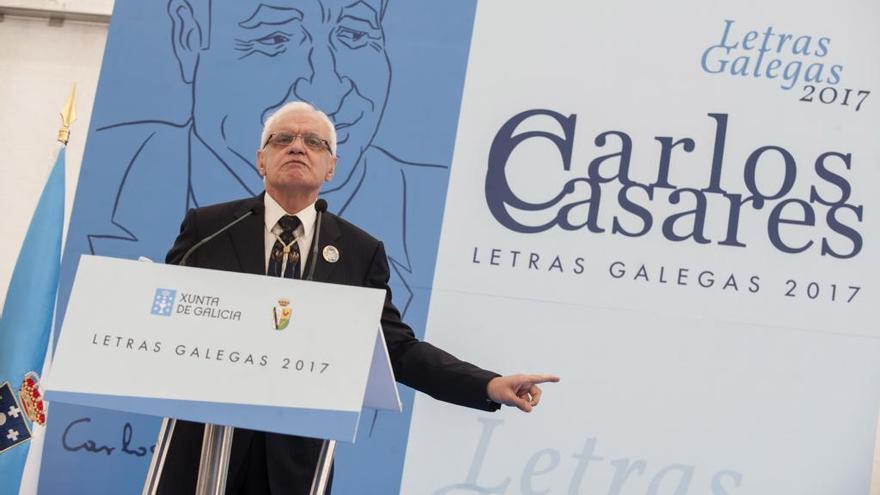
331, 254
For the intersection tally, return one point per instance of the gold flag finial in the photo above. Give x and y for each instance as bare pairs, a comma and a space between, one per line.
68, 115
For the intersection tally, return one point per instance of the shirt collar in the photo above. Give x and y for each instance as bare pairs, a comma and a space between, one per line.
274, 212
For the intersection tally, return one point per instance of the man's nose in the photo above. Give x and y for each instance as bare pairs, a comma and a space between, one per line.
327, 87
296, 147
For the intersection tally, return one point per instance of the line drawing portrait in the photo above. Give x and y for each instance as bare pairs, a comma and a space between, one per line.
242, 61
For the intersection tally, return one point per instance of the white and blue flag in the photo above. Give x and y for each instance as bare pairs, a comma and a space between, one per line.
25, 329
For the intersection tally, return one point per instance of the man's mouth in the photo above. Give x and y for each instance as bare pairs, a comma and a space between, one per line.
295, 162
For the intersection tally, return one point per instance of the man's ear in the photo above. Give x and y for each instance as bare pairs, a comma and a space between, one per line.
186, 37
331, 171
260, 168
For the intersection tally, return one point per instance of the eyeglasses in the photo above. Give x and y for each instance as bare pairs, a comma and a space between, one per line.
312, 141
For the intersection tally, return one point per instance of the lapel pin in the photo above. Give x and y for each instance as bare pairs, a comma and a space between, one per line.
331, 254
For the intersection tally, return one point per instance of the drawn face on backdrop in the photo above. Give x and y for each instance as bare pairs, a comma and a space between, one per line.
254, 57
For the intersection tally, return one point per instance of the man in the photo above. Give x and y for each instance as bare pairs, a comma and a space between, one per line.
211, 79
298, 155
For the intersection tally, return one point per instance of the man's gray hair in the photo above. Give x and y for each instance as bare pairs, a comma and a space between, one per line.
298, 107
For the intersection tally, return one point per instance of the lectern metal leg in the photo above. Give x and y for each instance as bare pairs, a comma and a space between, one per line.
157, 462
322, 472
214, 462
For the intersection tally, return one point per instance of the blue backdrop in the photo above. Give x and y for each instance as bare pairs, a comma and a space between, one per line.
184, 88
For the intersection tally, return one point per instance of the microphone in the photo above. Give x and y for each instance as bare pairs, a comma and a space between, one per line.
215, 234
320, 207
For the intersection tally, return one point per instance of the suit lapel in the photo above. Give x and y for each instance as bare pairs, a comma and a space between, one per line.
248, 237
329, 234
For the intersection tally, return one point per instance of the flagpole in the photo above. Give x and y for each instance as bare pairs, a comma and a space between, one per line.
68, 115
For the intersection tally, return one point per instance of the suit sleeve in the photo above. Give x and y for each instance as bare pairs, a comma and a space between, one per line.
186, 239
419, 364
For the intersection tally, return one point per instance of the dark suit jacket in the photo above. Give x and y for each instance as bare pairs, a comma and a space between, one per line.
290, 461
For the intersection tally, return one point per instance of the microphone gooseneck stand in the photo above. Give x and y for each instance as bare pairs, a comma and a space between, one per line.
328, 447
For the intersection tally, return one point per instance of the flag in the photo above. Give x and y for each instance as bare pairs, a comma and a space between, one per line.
25, 328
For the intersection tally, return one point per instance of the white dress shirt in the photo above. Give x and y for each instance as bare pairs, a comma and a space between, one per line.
303, 234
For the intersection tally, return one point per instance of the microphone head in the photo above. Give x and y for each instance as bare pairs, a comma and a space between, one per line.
320, 206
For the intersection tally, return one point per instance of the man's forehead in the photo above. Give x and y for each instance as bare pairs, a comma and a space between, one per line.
300, 120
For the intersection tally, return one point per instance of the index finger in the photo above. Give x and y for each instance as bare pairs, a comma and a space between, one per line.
542, 378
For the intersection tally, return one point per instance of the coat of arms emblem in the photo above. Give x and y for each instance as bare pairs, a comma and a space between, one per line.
31, 397
281, 314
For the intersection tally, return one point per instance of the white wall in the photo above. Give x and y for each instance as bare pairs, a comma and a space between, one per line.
39, 63
101, 7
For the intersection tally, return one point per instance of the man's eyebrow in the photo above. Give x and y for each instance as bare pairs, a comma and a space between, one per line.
362, 12
267, 14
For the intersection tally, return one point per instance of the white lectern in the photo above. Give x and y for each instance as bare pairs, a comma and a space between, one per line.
222, 348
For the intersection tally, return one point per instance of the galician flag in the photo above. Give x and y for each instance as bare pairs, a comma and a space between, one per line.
25, 329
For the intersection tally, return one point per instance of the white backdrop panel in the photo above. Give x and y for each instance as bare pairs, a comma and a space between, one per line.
724, 362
